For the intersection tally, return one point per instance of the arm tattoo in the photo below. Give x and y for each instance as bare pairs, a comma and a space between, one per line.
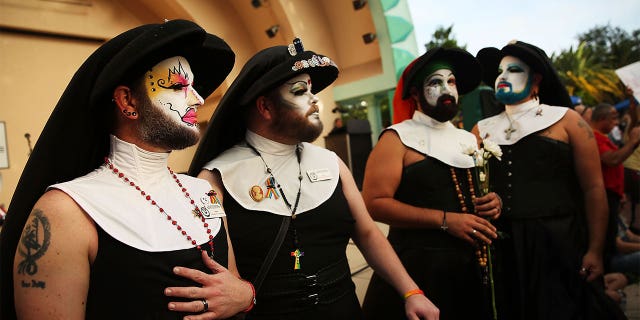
587, 128
34, 242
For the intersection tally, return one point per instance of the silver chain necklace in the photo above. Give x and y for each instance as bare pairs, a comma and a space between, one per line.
512, 129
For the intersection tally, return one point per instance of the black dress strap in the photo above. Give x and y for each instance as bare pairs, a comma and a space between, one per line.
266, 265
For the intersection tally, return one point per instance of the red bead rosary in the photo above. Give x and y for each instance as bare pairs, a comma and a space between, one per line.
161, 210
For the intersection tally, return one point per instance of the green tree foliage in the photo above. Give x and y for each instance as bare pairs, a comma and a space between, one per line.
588, 71
612, 47
444, 37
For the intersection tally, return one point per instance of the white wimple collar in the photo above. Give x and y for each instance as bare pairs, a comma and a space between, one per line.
519, 110
138, 164
127, 216
431, 122
242, 169
519, 121
266, 146
440, 140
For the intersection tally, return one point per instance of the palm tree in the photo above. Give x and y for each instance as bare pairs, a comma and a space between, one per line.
588, 71
586, 77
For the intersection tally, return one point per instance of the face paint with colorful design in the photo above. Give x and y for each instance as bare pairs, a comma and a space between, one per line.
170, 87
514, 81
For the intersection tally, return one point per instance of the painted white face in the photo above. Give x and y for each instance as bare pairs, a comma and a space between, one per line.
296, 92
514, 80
440, 82
170, 88
297, 114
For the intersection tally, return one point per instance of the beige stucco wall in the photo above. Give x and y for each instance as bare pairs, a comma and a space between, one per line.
29, 92
37, 68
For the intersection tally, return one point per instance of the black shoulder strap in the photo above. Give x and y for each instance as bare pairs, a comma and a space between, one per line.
266, 265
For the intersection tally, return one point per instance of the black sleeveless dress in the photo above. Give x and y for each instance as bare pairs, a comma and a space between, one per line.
443, 266
128, 283
545, 231
322, 288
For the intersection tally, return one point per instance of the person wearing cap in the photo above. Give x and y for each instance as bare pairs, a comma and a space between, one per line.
416, 180
98, 223
555, 209
293, 206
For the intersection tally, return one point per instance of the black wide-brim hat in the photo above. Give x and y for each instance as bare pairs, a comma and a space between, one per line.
265, 71
139, 49
552, 91
465, 67
75, 139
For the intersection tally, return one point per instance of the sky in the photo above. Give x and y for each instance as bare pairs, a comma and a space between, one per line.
552, 25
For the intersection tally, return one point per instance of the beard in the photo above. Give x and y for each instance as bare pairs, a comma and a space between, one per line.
511, 98
441, 111
158, 129
290, 123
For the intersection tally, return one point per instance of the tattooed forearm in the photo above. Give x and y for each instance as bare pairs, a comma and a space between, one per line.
583, 124
34, 243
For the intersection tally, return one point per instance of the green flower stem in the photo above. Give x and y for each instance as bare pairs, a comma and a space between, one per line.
485, 184
493, 290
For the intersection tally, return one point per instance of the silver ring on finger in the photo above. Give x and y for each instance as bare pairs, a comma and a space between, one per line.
205, 305
473, 231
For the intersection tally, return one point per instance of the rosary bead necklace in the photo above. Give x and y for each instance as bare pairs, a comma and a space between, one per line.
173, 221
481, 250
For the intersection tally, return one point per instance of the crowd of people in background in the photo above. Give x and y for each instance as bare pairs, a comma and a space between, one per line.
618, 137
526, 209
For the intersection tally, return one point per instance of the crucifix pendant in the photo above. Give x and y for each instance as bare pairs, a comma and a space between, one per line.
508, 131
297, 254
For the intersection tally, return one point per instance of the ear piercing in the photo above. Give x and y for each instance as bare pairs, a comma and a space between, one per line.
129, 113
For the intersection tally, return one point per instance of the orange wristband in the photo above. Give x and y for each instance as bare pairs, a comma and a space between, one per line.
413, 292
253, 301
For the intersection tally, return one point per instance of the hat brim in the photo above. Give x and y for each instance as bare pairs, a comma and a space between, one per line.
466, 68
321, 77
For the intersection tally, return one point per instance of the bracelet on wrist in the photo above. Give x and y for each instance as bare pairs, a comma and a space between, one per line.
412, 292
253, 300
444, 226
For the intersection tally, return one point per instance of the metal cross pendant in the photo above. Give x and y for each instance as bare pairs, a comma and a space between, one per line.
297, 254
508, 131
